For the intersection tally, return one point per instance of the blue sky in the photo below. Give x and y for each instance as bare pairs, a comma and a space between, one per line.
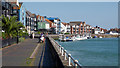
103, 14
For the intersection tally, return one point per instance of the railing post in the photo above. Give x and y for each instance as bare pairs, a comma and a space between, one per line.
76, 61
62, 51
65, 55
69, 59
60, 48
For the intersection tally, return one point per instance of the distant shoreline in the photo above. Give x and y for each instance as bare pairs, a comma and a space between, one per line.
56, 37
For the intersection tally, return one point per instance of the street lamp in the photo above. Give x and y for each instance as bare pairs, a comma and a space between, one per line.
17, 34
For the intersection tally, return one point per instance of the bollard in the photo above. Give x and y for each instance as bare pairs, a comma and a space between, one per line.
65, 55
62, 51
76, 61
69, 59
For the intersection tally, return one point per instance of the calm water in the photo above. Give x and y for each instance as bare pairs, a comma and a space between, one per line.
94, 52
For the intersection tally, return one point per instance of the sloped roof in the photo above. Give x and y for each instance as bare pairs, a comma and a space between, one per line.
29, 13
64, 23
76, 23
48, 21
38, 16
52, 18
20, 4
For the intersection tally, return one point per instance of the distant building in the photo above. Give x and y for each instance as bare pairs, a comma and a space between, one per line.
113, 31
79, 27
43, 26
55, 25
98, 30
65, 27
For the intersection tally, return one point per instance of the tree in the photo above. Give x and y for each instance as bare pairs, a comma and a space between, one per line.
11, 26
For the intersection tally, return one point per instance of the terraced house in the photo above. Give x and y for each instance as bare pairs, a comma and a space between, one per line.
30, 21
42, 25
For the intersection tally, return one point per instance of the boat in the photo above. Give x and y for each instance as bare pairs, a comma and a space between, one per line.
89, 37
95, 37
100, 36
78, 37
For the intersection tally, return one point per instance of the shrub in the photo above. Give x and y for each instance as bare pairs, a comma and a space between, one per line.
67, 33
21, 39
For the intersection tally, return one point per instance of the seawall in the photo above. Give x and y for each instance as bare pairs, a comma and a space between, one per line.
62, 58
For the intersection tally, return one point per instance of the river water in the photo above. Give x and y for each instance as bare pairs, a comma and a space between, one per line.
94, 52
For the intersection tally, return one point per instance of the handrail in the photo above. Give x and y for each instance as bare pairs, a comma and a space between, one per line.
64, 53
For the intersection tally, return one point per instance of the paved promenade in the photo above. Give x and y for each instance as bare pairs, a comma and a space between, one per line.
19, 54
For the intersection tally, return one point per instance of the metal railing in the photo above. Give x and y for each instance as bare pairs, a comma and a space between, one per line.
66, 55
8, 41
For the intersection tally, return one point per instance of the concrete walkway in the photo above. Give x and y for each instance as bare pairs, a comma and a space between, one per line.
18, 55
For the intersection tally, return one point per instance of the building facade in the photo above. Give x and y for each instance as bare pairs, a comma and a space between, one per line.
22, 14
42, 25
10, 8
55, 25
98, 30
79, 27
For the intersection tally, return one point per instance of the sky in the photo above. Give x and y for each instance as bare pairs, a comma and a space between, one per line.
103, 14
69, 0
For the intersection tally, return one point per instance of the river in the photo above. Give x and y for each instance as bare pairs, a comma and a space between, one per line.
94, 52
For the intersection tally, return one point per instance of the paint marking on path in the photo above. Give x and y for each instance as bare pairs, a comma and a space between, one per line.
34, 52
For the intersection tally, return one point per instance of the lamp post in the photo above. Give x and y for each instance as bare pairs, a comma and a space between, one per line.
18, 35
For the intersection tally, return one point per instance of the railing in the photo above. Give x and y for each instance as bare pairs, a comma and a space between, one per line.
66, 55
8, 41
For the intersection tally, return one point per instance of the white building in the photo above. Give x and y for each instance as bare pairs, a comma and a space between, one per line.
113, 33
55, 24
98, 30
65, 27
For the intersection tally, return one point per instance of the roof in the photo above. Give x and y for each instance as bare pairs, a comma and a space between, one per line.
76, 23
38, 16
29, 13
64, 23
33, 15
52, 18
48, 21
20, 4
87, 25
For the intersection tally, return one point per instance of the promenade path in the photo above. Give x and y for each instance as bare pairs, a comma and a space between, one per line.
19, 54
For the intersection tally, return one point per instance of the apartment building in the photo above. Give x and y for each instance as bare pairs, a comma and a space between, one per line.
79, 27
22, 13
10, 8
30, 22
55, 25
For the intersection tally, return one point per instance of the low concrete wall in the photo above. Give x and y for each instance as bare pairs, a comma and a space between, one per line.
55, 55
